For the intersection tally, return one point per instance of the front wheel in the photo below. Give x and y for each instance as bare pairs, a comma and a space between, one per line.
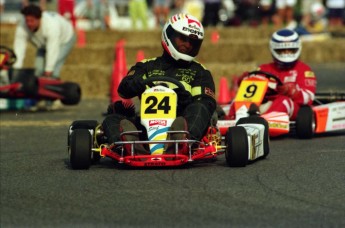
80, 149
236, 152
258, 120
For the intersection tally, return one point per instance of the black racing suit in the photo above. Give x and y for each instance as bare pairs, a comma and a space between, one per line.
197, 80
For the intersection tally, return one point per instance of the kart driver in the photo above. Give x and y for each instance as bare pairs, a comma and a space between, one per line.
299, 81
182, 37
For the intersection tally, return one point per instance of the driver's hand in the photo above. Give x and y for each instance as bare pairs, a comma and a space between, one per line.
184, 98
288, 89
137, 84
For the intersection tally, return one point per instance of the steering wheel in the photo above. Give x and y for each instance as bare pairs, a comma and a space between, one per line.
149, 81
12, 58
267, 75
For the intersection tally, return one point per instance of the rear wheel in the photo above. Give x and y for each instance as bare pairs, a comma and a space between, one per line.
236, 152
305, 122
258, 120
71, 93
80, 151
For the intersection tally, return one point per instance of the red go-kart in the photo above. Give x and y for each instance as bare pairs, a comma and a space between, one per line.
247, 141
24, 84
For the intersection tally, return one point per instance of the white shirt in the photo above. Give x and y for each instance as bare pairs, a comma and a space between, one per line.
54, 31
336, 4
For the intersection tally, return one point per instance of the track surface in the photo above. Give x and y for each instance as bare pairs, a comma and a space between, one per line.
300, 184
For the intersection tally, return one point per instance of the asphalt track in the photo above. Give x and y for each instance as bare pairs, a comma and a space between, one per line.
300, 184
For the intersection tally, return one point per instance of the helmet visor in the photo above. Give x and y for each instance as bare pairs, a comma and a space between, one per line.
188, 45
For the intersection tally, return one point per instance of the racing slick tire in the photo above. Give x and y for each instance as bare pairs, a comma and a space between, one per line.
29, 82
89, 125
71, 93
80, 149
258, 120
305, 122
236, 152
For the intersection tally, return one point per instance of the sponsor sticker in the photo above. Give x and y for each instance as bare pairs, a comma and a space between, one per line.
309, 74
157, 122
209, 92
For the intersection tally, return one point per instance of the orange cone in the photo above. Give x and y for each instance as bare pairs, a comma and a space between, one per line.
119, 72
81, 38
224, 93
140, 55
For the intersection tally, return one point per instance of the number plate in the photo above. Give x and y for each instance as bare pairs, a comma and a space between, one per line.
158, 104
2, 58
251, 91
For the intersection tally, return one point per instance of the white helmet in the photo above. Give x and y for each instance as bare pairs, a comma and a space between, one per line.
186, 27
282, 40
317, 10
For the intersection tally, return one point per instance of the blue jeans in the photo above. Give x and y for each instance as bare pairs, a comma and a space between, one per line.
64, 51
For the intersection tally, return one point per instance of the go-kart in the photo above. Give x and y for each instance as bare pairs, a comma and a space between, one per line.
327, 114
245, 142
24, 84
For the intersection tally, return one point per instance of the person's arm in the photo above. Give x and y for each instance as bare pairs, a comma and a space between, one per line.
303, 90
19, 46
203, 91
52, 34
306, 87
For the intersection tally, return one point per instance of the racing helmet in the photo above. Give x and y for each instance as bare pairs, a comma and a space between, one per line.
187, 28
282, 40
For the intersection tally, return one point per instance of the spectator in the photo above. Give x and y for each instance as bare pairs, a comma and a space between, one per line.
306, 11
96, 11
41, 3
52, 35
178, 7
285, 13
138, 12
313, 22
211, 10
2, 6
161, 9
266, 11
336, 9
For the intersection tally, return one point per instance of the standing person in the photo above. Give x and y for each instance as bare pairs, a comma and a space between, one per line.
299, 81
50, 33
211, 12
161, 10
285, 13
336, 10
138, 12
182, 37
40, 3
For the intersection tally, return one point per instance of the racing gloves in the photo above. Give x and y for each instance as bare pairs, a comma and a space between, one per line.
288, 89
131, 86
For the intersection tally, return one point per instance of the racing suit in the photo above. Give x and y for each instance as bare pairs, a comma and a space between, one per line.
300, 83
197, 105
